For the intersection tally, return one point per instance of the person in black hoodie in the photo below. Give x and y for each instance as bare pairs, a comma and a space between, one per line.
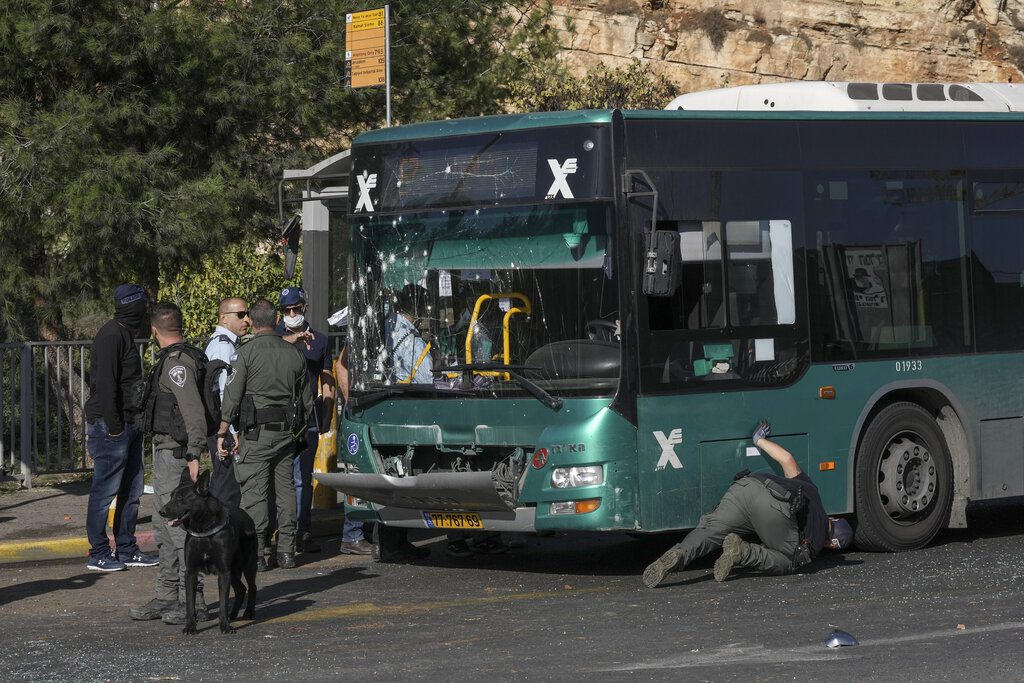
114, 443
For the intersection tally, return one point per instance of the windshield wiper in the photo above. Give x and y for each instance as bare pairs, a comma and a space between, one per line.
397, 389
530, 386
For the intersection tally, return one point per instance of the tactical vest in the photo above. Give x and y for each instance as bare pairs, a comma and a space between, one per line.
161, 414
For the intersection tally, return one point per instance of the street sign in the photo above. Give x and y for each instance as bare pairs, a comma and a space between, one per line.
366, 48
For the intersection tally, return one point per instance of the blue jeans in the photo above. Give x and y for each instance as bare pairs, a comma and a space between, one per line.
117, 472
304, 481
351, 531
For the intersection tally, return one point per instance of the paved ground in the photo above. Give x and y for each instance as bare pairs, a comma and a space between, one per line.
562, 607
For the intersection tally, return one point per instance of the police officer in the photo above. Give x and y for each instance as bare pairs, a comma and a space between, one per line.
232, 324
175, 415
315, 347
408, 359
268, 395
785, 513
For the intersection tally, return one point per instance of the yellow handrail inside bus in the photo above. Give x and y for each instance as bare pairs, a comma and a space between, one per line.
526, 308
419, 361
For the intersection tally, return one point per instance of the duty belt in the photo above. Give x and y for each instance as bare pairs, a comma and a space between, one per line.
266, 416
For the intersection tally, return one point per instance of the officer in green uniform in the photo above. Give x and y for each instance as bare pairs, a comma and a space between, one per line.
268, 398
175, 416
784, 513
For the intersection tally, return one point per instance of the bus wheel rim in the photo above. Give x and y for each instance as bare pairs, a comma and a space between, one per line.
907, 477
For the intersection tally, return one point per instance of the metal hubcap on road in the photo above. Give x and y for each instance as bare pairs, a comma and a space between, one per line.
906, 477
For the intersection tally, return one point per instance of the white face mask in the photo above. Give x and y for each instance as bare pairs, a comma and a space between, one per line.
294, 321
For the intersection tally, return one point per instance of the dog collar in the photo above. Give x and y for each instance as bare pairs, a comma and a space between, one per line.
220, 525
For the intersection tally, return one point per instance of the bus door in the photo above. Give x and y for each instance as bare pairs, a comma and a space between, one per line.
717, 357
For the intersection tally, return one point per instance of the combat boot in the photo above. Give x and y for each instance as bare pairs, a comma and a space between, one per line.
733, 550
154, 609
176, 616
656, 571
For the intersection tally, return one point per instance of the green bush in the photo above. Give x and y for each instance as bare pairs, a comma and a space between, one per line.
251, 269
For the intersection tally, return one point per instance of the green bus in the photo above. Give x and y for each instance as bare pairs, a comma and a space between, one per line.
572, 320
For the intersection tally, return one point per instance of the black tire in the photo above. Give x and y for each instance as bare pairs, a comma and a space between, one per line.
904, 480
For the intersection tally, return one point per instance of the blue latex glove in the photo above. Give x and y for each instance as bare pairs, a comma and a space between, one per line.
762, 431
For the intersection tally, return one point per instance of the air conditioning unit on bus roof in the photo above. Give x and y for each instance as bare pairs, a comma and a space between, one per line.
840, 96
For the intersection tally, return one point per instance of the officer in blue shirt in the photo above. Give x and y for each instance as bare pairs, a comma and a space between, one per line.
232, 324
315, 346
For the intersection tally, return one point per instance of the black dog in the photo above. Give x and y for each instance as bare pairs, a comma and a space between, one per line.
221, 540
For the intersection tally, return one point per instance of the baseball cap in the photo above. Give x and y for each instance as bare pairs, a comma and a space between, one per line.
128, 293
290, 296
842, 534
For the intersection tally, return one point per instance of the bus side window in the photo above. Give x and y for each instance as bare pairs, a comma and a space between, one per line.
761, 287
892, 268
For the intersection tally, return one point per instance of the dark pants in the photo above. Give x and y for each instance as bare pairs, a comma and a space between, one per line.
117, 473
747, 509
303, 475
265, 478
223, 484
170, 577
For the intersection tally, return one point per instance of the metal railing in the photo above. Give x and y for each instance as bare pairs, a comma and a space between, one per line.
43, 390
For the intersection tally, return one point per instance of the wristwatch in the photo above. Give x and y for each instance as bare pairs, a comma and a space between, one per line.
189, 457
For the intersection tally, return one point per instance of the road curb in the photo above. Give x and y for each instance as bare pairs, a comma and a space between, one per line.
71, 547
61, 548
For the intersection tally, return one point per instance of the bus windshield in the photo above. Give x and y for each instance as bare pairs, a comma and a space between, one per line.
530, 287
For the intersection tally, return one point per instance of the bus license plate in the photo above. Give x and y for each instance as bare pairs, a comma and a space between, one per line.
453, 520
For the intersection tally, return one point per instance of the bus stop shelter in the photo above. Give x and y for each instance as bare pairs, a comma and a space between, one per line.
321, 191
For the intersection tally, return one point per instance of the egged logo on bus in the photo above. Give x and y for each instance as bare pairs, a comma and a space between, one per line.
560, 185
367, 181
668, 449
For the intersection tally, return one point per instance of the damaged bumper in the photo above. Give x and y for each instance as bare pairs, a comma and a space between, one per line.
405, 501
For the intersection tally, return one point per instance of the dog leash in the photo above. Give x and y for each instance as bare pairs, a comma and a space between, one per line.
223, 523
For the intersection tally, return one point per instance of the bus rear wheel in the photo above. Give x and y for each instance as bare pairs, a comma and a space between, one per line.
904, 480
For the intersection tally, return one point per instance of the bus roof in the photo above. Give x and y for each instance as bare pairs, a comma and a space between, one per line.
862, 97
485, 124
800, 100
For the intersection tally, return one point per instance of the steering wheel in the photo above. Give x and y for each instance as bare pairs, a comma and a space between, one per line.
601, 330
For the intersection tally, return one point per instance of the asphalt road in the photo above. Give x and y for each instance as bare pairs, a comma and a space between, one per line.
562, 608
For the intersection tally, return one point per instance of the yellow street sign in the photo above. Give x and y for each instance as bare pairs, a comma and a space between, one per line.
366, 48
361, 21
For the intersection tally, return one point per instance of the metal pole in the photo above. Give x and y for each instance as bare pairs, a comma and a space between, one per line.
387, 59
3, 376
85, 422
46, 407
27, 396
58, 390
10, 394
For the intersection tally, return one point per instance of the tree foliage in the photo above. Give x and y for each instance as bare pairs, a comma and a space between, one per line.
250, 269
144, 135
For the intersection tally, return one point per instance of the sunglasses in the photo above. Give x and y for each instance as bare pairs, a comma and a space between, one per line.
294, 309
240, 314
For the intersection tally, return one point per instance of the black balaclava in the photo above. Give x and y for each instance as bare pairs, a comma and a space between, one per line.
130, 304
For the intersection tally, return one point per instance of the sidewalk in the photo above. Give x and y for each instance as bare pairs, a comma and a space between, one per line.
48, 523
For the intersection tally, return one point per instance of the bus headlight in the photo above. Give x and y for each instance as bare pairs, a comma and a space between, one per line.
572, 477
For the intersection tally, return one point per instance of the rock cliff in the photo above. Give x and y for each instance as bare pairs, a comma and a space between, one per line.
702, 44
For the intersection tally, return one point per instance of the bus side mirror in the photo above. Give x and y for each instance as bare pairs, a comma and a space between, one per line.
663, 263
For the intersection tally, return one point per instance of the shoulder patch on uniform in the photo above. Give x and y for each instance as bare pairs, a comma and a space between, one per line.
178, 375
230, 376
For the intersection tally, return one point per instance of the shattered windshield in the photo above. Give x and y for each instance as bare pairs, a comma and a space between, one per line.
529, 286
